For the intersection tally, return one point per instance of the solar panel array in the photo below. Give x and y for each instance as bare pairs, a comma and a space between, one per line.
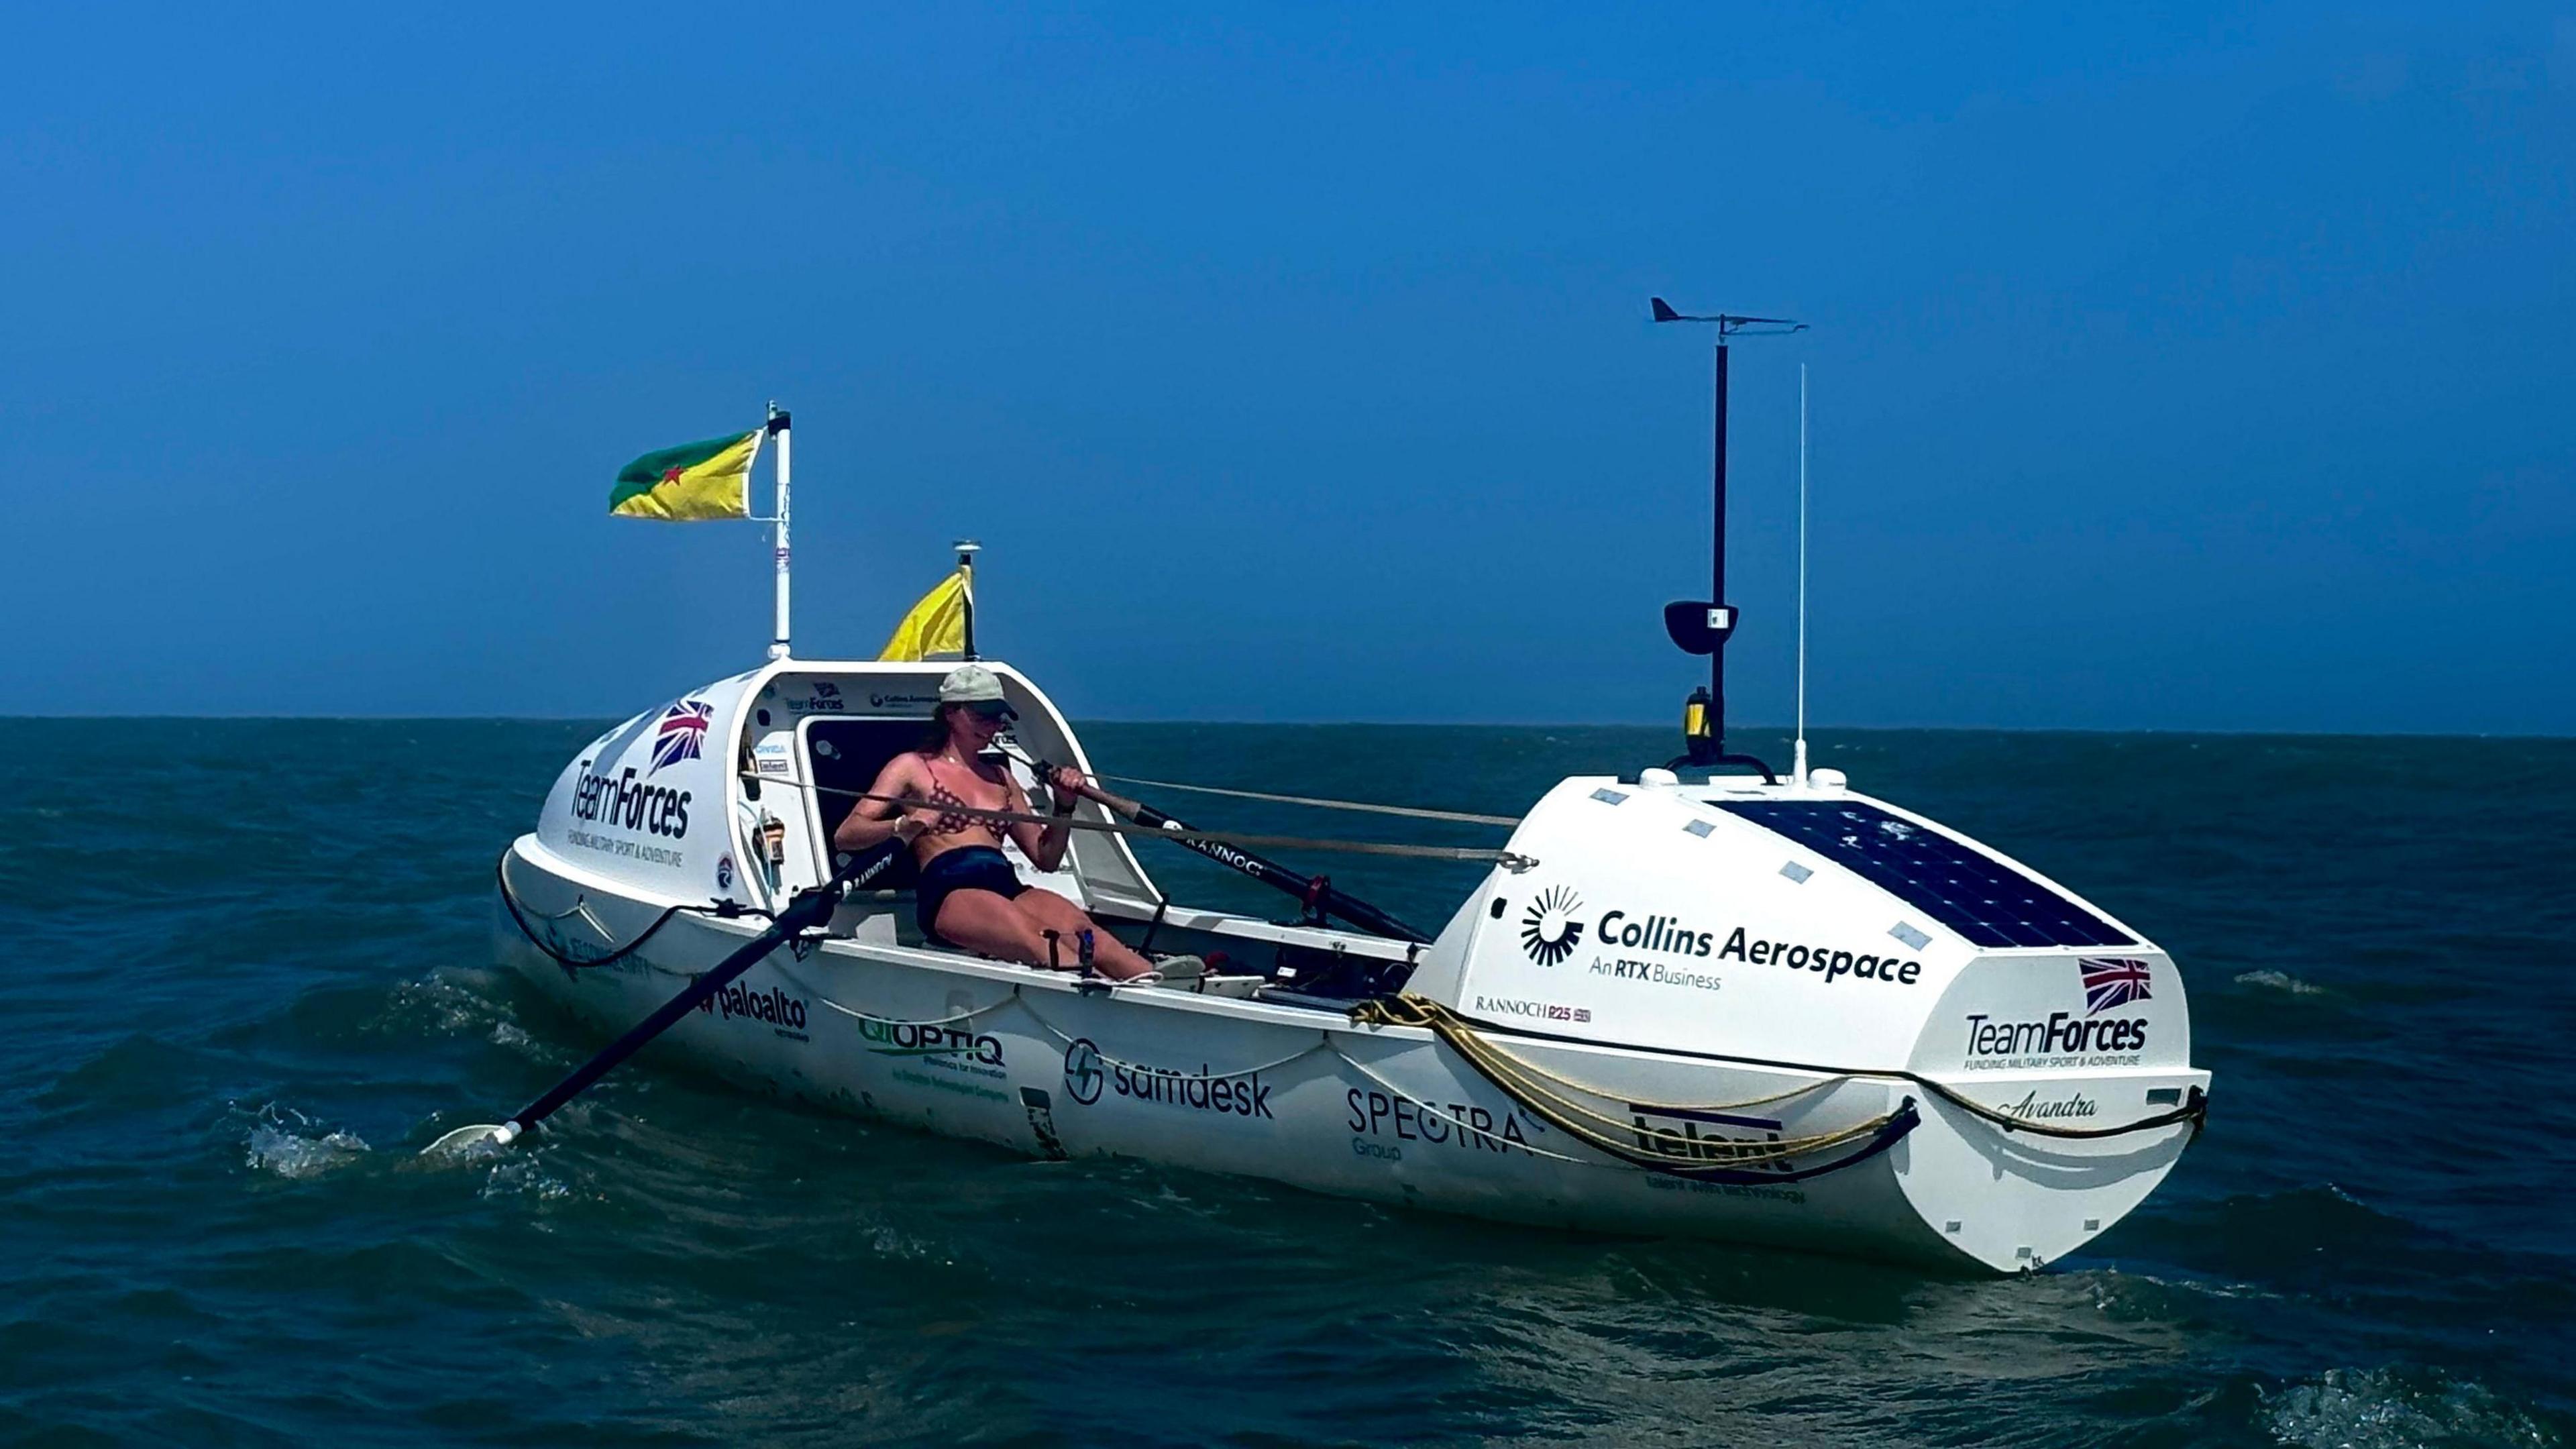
1982, 899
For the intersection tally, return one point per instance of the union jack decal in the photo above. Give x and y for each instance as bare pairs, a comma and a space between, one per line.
683, 735
2111, 981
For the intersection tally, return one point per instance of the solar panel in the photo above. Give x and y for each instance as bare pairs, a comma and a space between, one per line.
1982, 899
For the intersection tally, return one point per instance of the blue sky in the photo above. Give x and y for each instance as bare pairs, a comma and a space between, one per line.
2198, 369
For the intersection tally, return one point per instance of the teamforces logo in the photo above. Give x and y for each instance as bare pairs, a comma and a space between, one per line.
683, 733
622, 800
826, 699
2065, 1039
1549, 931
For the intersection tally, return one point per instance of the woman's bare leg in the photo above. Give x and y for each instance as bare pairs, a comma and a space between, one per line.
991, 925
1114, 958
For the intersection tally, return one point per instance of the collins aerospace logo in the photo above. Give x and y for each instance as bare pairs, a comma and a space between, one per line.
1549, 932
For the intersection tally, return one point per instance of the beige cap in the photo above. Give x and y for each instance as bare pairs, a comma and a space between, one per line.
971, 684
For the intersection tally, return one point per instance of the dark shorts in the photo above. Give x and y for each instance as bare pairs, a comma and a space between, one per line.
967, 868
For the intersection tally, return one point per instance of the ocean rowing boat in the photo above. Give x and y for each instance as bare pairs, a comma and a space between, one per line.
1765, 1010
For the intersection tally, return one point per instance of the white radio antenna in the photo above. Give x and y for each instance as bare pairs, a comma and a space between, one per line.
1798, 766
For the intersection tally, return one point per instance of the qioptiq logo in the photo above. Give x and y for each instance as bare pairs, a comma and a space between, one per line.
1549, 932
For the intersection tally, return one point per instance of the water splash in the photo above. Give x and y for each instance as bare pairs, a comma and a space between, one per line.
2389, 1408
288, 1143
521, 1176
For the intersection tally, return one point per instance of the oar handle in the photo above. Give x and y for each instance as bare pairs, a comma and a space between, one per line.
1119, 805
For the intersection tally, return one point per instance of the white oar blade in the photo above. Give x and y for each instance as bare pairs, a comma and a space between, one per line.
467, 1139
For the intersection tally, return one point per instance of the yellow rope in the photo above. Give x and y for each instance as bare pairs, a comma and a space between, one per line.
1408, 1009
1521, 1080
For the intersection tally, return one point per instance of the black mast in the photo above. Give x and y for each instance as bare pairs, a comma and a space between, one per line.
1703, 626
1717, 561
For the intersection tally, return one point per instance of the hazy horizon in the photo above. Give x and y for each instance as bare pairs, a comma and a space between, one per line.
1735, 732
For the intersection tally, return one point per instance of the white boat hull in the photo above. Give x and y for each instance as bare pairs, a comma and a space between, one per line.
1030, 1061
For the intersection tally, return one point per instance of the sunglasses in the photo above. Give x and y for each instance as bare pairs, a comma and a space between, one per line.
990, 709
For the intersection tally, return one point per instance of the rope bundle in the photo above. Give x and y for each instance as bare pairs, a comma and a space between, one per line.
1534, 1087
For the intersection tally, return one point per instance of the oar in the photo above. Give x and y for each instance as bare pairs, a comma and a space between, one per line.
1317, 892
806, 909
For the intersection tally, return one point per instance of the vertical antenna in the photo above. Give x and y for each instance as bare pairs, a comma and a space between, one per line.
1798, 767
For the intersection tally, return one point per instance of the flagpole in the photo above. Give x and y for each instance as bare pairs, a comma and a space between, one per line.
778, 430
967, 548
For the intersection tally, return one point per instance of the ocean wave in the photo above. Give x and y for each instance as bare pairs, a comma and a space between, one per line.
286, 1142
523, 1176
2387, 1408
436, 1006
2281, 981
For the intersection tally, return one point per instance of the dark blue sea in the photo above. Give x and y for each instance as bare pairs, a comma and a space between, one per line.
247, 975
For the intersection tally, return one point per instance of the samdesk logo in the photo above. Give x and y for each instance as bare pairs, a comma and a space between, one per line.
1549, 932
1082, 1072
1086, 1072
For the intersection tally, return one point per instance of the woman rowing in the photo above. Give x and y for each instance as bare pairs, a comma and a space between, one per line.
968, 895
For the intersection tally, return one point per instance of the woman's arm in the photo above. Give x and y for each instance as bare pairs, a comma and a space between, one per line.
872, 822
1044, 846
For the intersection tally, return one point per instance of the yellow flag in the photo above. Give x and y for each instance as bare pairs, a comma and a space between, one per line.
936, 625
710, 479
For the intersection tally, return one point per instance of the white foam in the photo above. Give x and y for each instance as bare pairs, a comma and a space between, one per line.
2279, 981
519, 1176
2376, 1409
436, 1006
292, 1149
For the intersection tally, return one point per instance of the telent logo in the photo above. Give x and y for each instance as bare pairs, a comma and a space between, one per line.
1549, 932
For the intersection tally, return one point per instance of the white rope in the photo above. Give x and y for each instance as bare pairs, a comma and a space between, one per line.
1321, 1043
791, 979
1173, 831
1319, 802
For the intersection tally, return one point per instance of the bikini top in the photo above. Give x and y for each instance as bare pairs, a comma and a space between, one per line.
950, 822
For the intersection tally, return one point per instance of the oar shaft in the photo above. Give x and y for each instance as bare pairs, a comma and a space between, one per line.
810, 908
1323, 895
